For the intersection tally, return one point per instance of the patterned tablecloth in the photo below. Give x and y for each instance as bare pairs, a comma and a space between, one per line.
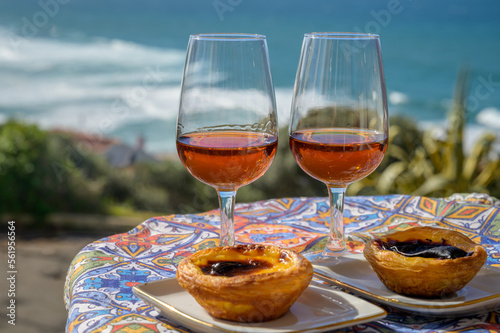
98, 290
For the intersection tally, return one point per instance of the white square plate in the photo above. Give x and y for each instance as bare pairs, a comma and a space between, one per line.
320, 308
354, 273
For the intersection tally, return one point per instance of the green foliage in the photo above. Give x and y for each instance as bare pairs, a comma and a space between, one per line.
42, 173
164, 187
418, 163
35, 174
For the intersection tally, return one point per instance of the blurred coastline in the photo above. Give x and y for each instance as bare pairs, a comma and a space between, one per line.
114, 68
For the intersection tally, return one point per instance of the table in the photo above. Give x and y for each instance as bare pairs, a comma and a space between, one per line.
98, 289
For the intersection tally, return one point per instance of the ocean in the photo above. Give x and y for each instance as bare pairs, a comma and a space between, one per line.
113, 68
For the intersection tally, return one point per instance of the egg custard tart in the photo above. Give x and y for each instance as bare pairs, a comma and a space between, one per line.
245, 283
425, 261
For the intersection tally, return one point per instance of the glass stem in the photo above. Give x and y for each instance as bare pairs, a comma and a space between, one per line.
226, 203
336, 243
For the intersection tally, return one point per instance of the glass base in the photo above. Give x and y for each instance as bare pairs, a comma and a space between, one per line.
325, 255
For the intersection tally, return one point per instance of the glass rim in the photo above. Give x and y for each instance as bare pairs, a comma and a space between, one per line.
222, 36
341, 35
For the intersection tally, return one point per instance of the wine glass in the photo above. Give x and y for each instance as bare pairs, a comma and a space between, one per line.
227, 131
338, 123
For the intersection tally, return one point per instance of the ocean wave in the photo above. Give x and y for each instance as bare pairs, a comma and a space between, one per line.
57, 83
489, 117
396, 97
283, 104
49, 54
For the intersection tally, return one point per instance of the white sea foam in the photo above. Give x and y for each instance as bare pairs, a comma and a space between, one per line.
87, 86
90, 85
45, 54
283, 104
489, 117
396, 97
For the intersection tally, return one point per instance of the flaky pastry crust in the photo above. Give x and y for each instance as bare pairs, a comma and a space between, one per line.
425, 277
255, 297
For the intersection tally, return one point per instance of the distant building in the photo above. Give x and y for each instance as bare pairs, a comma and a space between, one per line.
121, 155
117, 153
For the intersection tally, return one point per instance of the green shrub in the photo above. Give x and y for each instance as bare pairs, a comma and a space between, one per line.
38, 175
420, 164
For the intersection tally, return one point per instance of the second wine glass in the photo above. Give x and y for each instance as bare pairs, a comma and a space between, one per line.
227, 131
338, 123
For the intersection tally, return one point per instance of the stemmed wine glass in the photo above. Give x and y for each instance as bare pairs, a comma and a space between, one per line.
338, 124
227, 131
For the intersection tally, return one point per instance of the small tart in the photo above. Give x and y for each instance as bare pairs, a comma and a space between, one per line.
245, 283
420, 276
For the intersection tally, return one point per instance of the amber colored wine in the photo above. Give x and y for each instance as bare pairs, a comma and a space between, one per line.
227, 159
338, 156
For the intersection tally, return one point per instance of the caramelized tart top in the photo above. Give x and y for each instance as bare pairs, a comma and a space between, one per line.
243, 260
423, 248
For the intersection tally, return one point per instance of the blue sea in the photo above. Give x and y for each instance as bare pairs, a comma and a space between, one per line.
113, 68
